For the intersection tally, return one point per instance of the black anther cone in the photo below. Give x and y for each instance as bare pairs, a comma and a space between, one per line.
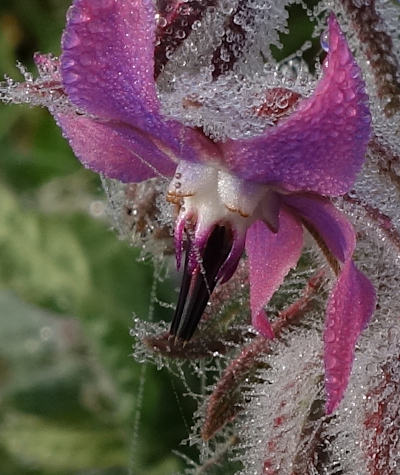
196, 287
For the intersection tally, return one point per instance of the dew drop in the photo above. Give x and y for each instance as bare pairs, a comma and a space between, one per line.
324, 40
105, 3
71, 39
70, 77
162, 22
76, 16
330, 336
85, 59
68, 63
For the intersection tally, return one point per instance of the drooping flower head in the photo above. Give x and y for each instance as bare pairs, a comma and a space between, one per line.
256, 193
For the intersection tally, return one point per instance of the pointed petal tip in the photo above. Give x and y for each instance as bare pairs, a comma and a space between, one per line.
332, 20
263, 325
332, 403
350, 307
340, 131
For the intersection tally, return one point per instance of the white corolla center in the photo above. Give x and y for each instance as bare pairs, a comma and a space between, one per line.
208, 195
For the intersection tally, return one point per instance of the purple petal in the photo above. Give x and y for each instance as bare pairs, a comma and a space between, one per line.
107, 61
107, 68
321, 146
350, 307
114, 149
117, 152
271, 256
352, 301
333, 227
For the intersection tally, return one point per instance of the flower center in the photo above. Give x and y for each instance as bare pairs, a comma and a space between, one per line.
215, 209
207, 195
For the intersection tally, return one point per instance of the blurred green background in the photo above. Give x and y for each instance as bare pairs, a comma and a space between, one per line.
68, 287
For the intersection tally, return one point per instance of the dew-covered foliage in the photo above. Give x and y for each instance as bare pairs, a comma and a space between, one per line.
231, 68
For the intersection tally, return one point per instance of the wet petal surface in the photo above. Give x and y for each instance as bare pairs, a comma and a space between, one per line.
349, 309
117, 152
322, 145
107, 61
271, 256
107, 69
352, 300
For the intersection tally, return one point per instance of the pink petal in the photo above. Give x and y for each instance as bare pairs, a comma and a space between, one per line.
349, 309
271, 256
352, 300
117, 152
321, 146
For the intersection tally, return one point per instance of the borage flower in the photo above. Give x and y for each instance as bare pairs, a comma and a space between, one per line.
255, 193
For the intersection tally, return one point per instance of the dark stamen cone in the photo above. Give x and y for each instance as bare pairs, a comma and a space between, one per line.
197, 286
185, 284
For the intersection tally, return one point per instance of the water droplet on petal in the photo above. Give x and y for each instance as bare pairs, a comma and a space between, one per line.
85, 59
71, 39
324, 40
70, 78
330, 336
77, 15
68, 63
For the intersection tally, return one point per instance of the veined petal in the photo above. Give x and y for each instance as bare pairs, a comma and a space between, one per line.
271, 256
117, 152
115, 149
321, 146
352, 300
107, 68
107, 61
